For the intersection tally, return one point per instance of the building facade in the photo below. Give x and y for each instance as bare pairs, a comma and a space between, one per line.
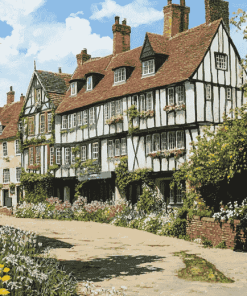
10, 153
148, 103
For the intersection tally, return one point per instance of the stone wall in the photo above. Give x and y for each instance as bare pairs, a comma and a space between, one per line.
213, 230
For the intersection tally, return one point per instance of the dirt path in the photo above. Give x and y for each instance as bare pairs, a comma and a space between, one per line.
141, 261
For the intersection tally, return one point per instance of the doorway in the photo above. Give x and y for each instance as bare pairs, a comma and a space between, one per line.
7, 201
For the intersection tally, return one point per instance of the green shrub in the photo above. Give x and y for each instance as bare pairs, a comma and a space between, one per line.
206, 242
221, 245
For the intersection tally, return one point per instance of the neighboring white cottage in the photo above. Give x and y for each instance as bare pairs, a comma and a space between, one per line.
178, 82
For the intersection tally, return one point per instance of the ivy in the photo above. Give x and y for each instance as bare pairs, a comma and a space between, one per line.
132, 112
124, 177
1, 186
64, 132
83, 126
37, 187
12, 186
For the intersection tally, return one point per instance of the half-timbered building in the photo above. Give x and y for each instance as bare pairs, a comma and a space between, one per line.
176, 83
46, 90
10, 153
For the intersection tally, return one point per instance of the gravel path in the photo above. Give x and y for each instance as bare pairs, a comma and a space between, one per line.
143, 262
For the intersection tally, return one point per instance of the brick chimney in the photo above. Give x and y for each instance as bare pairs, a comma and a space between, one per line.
59, 70
121, 36
216, 9
82, 57
176, 18
10, 96
22, 98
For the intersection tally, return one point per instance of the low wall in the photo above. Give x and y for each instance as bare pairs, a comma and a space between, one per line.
213, 230
6, 211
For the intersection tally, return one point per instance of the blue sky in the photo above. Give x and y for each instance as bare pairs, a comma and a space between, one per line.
52, 32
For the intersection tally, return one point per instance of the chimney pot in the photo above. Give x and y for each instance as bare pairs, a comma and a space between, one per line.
117, 20
124, 22
11, 88
59, 70
182, 2
169, 2
82, 57
22, 98
10, 96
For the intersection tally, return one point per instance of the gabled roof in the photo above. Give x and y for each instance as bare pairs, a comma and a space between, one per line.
54, 82
9, 117
185, 52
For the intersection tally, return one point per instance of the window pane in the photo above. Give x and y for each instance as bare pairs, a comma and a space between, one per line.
110, 148
58, 156
83, 153
117, 147
171, 96
221, 61
107, 111
69, 121
149, 101
51, 155
49, 122
79, 118
156, 142
5, 151
95, 150
38, 154
142, 103
18, 174
42, 123
31, 155
67, 155
64, 122
89, 83
112, 109
229, 93
163, 142
72, 155
172, 140
208, 92
148, 144
123, 146
92, 115
180, 95
180, 139
118, 107
179, 194
74, 119
85, 117
6, 176
17, 147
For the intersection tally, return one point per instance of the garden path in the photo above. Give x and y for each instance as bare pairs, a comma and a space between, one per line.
143, 262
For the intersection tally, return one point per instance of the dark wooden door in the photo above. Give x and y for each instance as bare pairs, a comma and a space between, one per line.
7, 199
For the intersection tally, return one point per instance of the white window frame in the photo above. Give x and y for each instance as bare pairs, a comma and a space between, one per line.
38, 155
171, 140
73, 88
17, 147
74, 120
180, 139
79, 118
31, 159
31, 129
120, 75
18, 175
118, 107
135, 102
142, 103
73, 154
89, 85
148, 144
64, 122
49, 115
51, 156
67, 155
163, 141
149, 101
92, 115
70, 121
58, 155
83, 153
148, 67
95, 151
110, 148
107, 113
208, 92
117, 147
42, 123
123, 146
113, 108
171, 96
6, 178
85, 117
180, 95
5, 149
221, 61
179, 194
156, 142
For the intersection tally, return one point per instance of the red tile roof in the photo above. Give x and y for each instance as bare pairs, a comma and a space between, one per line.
9, 117
185, 52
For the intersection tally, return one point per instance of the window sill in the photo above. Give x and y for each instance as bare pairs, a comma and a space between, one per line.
119, 83
147, 75
72, 95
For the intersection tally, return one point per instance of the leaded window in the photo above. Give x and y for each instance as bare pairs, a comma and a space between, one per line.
221, 61
18, 175
119, 75
6, 176
112, 108
91, 115
110, 148
171, 96
85, 119
208, 92
72, 155
148, 144
70, 121
149, 104
172, 140
163, 142
156, 142
58, 155
83, 153
42, 123
49, 115
148, 67
31, 125
180, 139
118, 106
179, 194
38, 154
95, 150
79, 118
5, 150
74, 120
51, 155
180, 95
17, 147
31, 155
64, 121
117, 147
67, 155
142, 103
123, 146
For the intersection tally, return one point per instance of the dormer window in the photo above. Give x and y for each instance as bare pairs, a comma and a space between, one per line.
119, 75
73, 88
148, 67
90, 83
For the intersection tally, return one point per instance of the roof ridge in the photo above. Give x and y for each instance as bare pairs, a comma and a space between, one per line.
192, 29
96, 59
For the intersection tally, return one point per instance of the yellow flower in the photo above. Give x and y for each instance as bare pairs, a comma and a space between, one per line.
6, 278
231, 156
4, 291
1, 266
211, 276
6, 269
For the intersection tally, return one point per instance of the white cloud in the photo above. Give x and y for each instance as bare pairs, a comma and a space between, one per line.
51, 44
138, 12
